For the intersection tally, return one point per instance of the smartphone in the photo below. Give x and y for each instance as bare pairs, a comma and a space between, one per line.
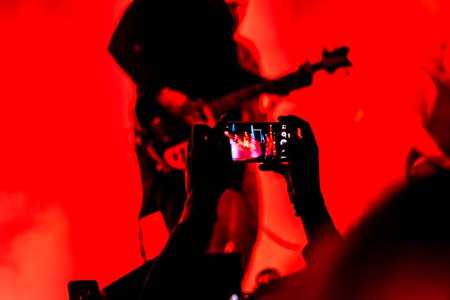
258, 141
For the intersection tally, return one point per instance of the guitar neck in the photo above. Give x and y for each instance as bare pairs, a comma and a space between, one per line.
235, 99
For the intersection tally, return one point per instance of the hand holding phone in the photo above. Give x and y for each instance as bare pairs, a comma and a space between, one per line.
302, 171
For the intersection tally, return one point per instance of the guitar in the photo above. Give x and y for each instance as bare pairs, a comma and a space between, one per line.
165, 138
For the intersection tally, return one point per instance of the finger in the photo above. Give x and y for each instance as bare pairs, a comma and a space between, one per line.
306, 132
274, 167
217, 132
221, 122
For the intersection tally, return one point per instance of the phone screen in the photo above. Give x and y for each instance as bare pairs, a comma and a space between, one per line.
258, 141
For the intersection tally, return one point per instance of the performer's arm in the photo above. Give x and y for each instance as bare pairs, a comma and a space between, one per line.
302, 177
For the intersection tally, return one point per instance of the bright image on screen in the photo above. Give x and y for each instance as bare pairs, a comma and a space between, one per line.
257, 141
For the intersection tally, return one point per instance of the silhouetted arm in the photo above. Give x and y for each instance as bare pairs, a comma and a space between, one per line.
208, 165
319, 229
302, 177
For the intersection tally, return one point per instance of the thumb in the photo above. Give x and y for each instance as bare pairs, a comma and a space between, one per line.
275, 167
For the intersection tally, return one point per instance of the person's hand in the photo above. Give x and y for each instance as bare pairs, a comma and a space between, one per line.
180, 106
302, 171
208, 169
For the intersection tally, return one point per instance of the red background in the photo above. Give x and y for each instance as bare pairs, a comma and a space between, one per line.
69, 184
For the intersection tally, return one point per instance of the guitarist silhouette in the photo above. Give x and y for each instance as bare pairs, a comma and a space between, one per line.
181, 55
184, 59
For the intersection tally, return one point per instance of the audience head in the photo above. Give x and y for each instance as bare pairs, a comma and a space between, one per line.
401, 250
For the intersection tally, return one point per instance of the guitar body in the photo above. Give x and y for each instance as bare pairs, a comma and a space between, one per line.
164, 136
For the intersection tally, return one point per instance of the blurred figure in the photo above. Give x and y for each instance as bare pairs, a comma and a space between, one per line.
400, 250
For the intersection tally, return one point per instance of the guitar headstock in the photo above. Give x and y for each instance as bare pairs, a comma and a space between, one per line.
333, 60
